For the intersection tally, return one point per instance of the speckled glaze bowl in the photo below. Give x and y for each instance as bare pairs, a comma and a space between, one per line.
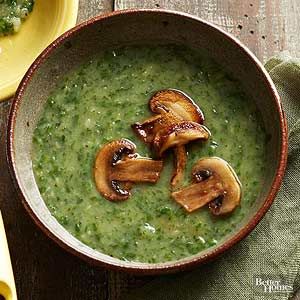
140, 27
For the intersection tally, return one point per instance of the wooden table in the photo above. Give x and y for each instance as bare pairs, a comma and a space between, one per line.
43, 270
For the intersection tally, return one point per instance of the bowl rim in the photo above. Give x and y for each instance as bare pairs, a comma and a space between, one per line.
172, 266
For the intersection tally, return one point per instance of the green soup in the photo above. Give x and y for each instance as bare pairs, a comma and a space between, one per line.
96, 104
12, 14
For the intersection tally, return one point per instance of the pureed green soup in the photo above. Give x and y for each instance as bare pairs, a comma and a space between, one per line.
97, 104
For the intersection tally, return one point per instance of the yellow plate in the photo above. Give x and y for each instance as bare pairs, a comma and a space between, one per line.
48, 20
7, 282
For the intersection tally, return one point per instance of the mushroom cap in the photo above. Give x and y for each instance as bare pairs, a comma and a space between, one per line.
105, 160
224, 174
179, 134
177, 102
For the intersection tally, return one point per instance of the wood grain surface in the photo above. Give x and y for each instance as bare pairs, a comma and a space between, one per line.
91, 8
42, 270
265, 26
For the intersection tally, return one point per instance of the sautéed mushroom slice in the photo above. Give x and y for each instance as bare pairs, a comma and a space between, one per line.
177, 102
214, 183
180, 159
117, 166
172, 108
179, 134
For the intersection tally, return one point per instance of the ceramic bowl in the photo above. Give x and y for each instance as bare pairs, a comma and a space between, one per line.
139, 27
48, 20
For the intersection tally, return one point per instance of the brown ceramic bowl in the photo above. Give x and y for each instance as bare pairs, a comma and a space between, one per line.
136, 27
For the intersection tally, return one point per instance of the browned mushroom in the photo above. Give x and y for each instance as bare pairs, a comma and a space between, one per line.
179, 134
215, 184
180, 158
137, 169
117, 165
147, 130
172, 107
177, 102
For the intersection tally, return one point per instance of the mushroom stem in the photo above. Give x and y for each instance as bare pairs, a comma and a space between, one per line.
180, 158
137, 170
199, 194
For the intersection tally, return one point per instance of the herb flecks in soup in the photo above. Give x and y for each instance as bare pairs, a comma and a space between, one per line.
13, 13
97, 104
